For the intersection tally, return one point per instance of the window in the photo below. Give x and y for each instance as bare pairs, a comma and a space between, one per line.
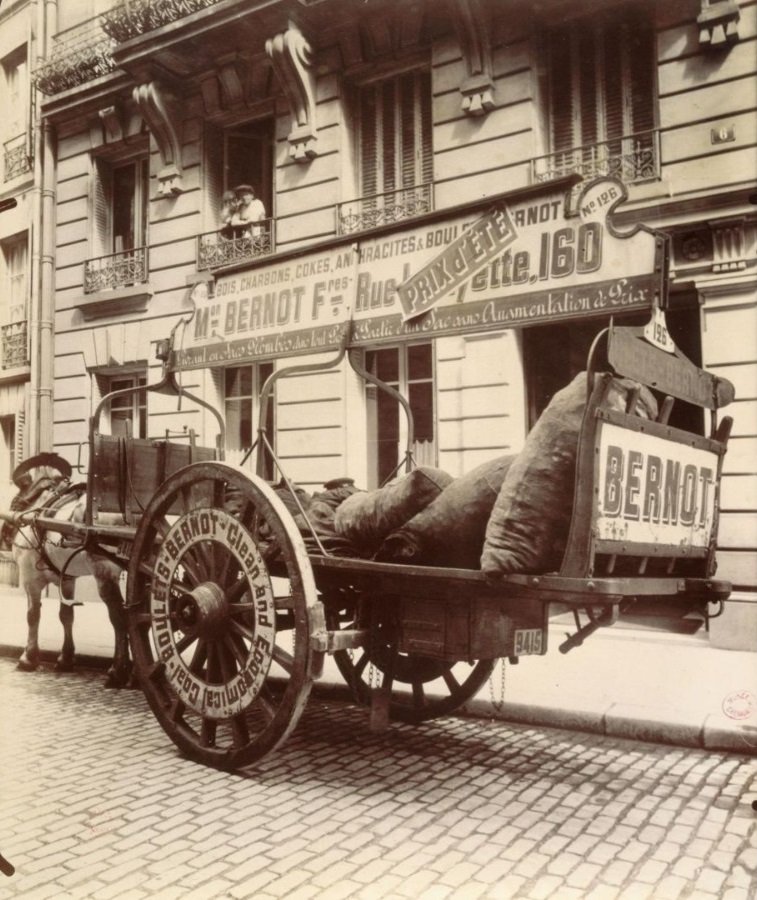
16, 93
602, 97
7, 446
395, 159
239, 155
395, 134
128, 413
121, 206
15, 126
242, 386
408, 369
15, 278
554, 354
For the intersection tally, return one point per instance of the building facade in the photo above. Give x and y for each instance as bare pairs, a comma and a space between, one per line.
261, 175
19, 251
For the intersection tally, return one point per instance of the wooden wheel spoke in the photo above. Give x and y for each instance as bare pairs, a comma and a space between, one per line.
239, 730
214, 663
199, 658
208, 732
237, 590
360, 665
452, 683
284, 659
265, 702
237, 649
156, 671
186, 641
178, 708
195, 565
242, 630
419, 695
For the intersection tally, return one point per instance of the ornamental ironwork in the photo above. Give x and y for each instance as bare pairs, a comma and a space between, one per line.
116, 270
384, 209
15, 352
18, 160
80, 54
632, 159
134, 17
235, 245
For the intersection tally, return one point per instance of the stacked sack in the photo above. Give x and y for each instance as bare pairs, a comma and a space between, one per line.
528, 527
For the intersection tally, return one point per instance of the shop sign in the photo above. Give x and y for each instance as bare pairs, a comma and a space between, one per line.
524, 262
654, 491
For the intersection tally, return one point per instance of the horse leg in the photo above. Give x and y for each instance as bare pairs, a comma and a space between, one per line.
29, 659
110, 593
65, 662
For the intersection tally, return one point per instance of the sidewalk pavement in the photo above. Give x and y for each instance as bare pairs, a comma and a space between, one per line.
638, 684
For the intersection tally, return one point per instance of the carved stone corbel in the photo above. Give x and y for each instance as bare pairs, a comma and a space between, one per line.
718, 23
291, 56
473, 29
156, 110
107, 128
729, 244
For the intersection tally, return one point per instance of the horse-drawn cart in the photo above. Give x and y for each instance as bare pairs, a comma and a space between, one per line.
231, 614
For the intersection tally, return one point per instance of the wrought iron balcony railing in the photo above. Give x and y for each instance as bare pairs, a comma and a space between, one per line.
632, 159
80, 54
15, 352
18, 159
228, 247
384, 209
133, 17
116, 270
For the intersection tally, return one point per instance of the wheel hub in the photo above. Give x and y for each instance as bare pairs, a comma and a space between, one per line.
204, 610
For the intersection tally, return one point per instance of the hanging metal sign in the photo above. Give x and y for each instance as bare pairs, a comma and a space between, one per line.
523, 262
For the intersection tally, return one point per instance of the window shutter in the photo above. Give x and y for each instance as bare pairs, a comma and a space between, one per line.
410, 163
588, 86
561, 93
213, 172
426, 142
368, 142
388, 135
642, 64
613, 70
101, 197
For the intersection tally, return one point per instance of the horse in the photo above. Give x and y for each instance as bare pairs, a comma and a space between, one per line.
43, 558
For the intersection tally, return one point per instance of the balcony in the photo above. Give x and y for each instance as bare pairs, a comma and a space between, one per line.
215, 250
131, 18
118, 270
18, 158
15, 353
632, 159
80, 54
384, 209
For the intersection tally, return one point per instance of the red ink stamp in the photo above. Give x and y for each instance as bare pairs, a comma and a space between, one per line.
740, 705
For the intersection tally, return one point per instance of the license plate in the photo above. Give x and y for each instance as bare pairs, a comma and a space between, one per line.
528, 641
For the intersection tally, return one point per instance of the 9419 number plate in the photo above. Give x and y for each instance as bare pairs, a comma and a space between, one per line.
528, 641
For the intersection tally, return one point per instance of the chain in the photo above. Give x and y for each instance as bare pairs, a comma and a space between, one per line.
498, 702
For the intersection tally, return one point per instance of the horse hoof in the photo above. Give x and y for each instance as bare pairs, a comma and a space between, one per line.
64, 665
26, 665
115, 681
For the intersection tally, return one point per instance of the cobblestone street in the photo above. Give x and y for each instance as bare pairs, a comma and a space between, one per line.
96, 803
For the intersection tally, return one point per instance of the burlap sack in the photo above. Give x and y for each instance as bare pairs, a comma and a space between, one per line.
321, 512
528, 527
367, 517
450, 530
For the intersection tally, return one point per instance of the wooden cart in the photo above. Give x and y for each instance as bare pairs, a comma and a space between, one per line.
228, 637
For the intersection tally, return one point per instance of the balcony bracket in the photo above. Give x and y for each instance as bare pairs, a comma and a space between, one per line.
473, 28
718, 23
156, 106
291, 56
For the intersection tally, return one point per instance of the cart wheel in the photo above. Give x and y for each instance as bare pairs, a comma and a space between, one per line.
437, 687
219, 597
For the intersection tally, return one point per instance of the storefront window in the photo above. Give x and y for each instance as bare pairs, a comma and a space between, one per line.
242, 385
408, 369
555, 354
128, 414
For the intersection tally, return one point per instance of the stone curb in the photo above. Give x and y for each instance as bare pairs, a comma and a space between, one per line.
628, 721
